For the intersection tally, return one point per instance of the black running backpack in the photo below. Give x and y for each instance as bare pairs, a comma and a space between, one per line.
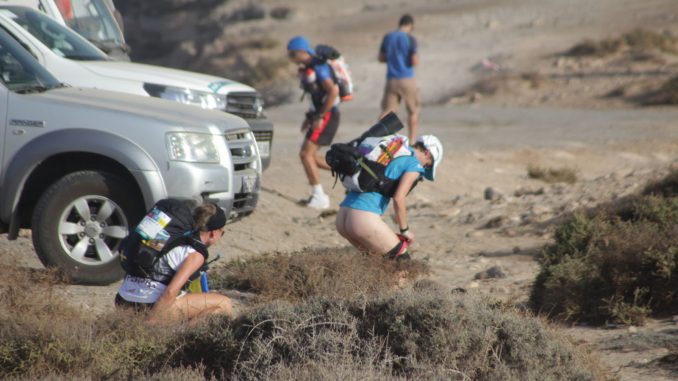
356, 171
167, 225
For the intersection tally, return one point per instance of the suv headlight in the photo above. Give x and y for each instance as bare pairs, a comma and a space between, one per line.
192, 147
202, 99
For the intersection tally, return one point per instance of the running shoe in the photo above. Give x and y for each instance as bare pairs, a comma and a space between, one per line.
319, 201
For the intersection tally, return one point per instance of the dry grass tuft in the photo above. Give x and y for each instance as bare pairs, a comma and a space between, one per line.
638, 41
617, 266
667, 94
331, 272
644, 40
595, 48
552, 175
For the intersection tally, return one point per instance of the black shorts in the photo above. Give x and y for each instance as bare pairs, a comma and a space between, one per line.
324, 135
137, 307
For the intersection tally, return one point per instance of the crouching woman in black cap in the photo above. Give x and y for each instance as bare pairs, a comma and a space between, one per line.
167, 301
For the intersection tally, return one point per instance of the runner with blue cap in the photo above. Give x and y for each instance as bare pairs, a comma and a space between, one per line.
322, 119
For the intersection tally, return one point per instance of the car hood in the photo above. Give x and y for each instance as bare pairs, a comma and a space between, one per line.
164, 76
114, 103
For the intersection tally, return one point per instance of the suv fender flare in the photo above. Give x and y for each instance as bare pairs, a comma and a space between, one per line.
129, 154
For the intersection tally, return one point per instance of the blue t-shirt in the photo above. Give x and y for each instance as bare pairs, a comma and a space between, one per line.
398, 47
376, 202
317, 91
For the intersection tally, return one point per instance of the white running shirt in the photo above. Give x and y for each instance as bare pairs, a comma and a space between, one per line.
142, 290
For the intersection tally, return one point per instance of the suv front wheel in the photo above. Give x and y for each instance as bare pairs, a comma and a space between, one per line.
79, 222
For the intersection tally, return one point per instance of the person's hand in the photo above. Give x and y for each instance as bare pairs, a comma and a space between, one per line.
317, 123
407, 236
305, 126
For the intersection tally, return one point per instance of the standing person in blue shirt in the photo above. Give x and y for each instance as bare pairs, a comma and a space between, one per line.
359, 218
322, 120
399, 51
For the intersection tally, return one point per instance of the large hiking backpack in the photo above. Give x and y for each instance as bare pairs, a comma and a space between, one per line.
167, 225
361, 168
361, 163
340, 70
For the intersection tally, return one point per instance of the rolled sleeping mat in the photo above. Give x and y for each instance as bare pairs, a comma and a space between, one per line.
388, 125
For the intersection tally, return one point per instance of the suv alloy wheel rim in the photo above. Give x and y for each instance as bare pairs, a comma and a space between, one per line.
91, 228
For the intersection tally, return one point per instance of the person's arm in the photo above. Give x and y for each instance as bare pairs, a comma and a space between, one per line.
382, 51
414, 59
332, 91
190, 265
399, 204
414, 54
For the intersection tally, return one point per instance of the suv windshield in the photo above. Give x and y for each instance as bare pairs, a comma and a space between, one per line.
55, 36
19, 71
92, 19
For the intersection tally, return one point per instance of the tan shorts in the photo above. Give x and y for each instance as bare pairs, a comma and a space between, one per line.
401, 89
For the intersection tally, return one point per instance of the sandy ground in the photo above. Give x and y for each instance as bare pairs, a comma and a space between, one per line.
614, 150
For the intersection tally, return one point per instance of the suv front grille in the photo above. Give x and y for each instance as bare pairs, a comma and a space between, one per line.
247, 105
263, 136
241, 144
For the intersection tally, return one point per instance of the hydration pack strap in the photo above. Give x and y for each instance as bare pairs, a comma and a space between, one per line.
368, 169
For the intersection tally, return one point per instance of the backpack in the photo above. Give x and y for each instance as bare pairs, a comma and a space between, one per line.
167, 225
361, 167
340, 70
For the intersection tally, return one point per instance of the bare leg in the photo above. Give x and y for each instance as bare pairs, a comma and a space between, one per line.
413, 123
320, 161
341, 222
308, 155
191, 306
370, 231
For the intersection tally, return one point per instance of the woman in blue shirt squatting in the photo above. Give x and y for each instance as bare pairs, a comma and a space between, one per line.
359, 218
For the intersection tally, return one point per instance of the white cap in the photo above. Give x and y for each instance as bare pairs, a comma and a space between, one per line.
434, 146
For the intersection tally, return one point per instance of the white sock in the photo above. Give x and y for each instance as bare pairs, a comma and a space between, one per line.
318, 190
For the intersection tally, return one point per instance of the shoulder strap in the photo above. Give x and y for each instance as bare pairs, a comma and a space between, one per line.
189, 238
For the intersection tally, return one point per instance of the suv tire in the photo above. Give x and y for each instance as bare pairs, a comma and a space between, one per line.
79, 222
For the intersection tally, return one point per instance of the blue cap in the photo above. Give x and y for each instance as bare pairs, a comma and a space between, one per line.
300, 43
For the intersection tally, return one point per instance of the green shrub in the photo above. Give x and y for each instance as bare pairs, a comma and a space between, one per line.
611, 267
667, 187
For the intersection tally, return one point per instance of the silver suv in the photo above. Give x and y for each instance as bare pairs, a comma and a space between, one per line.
80, 166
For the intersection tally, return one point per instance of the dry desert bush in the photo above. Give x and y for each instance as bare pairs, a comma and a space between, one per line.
639, 40
552, 175
329, 272
422, 332
667, 94
617, 266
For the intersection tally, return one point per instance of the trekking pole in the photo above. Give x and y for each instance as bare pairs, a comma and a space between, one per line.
216, 258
